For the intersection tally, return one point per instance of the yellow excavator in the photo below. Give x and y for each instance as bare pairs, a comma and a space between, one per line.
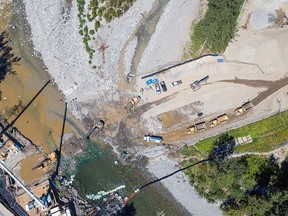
49, 159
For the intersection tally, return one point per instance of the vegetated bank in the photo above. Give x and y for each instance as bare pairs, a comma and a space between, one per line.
251, 185
91, 16
246, 185
217, 28
267, 134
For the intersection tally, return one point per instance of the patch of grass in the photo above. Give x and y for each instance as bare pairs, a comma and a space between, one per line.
267, 134
206, 145
187, 151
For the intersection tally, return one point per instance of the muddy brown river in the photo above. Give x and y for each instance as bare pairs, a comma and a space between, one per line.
42, 121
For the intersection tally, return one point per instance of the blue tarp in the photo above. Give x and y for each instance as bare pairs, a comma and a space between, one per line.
220, 60
44, 199
18, 146
151, 81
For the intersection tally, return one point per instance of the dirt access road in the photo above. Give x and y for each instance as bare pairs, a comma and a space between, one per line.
255, 69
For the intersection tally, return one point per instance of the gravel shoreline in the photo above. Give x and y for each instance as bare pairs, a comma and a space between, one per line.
180, 188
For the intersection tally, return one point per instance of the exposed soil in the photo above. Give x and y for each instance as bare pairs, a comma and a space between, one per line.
169, 119
253, 83
272, 86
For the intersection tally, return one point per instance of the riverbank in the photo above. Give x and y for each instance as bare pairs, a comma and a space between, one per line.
42, 121
84, 87
180, 187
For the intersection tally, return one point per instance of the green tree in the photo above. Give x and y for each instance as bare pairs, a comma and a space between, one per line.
97, 25
91, 32
222, 147
218, 26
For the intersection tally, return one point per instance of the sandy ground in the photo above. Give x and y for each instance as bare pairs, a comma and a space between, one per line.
68, 64
253, 62
162, 47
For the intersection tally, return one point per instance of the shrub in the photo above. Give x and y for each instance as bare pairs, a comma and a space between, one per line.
91, 32
217, 27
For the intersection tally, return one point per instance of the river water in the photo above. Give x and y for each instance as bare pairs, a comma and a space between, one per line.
42, 123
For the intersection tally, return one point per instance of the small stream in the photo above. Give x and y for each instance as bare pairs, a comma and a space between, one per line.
145, 31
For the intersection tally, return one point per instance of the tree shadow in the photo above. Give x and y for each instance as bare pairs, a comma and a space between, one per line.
230, 203
282, 181
268, 175
128, 210
7, 58
222, 147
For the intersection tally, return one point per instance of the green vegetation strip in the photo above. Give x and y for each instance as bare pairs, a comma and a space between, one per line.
218, 27
248, 185
267, 134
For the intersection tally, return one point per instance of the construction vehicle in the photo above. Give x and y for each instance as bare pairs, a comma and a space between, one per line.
200, 126
198, 83
197, 127
96, 129
213, 123
49, 159
245, 107
151, 138
132, 102
239, 111
222, 118
191, 130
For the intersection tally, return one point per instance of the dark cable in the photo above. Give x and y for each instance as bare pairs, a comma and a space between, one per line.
162, 178
61, 138
179, 64
167, 176
23, 110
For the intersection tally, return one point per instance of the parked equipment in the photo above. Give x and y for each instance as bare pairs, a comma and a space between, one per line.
50, 159
176, 83
163, 86
157, 87
131, 103
198, 83
96, 129
151, 138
